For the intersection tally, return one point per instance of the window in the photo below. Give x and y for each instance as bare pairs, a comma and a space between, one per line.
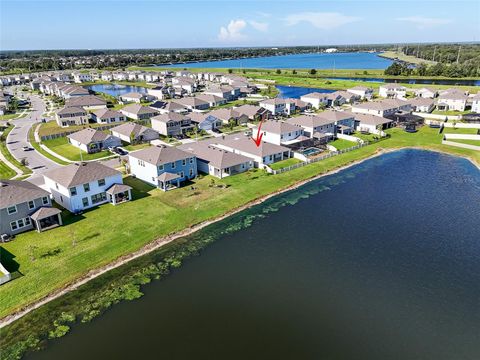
101, 182
191, 160
191, 172
13, 225
184, 162
27, 221
173, 165
141, 163
45, 200
11, 210
86, 187
56, 185
85, 202
98, 198
31, 204
73, 191
20, 223
160, 167
181, 174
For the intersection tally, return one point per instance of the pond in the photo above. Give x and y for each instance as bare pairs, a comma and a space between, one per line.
380, 261
295, 92
115, 89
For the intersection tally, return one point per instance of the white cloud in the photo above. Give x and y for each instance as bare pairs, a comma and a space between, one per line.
425, 22
233, 31
321, 20
260, 26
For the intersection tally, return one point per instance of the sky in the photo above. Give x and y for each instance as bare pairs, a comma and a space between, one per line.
88, 24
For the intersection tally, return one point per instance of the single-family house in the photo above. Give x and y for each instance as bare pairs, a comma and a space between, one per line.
213, 100
92, 140
69, 116
422, 104
226, 115
25, 206
392, 91
362, 91
185, 83
227, 92
253, 112
452, 100
80, 77
217, 162
205, 121
161, 92
426, 93
172, 124
139, 112
372, 124
316, 99
278, 106
132, 97
88, 102
80, 186
315, 126
133, 133
107, 116
163, 166
381, 108
280, 132
192, 103
476, 103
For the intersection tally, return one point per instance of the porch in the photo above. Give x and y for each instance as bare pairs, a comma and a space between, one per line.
168, 181
119, 193
46, 218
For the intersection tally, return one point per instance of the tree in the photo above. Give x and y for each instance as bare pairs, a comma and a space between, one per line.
394, 69
278, 71
294, 72
312, 71
230, 71
24, 162
132, 137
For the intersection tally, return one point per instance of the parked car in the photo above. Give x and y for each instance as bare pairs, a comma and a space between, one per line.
120, 151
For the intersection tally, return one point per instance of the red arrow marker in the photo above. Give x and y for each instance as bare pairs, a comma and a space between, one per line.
258, 140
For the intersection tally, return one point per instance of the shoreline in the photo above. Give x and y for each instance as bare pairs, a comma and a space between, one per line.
159, 242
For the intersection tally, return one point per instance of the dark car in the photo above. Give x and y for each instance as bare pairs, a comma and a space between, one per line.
120, 151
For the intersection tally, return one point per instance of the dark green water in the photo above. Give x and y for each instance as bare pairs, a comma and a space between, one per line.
381, 261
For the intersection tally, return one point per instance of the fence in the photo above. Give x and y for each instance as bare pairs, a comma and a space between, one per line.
317, 159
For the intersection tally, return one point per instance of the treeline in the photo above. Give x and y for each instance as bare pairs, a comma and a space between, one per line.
439, 69
445, 53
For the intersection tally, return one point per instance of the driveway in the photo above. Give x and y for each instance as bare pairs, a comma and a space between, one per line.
18, 138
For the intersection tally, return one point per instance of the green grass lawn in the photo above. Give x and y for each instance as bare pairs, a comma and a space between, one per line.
365, 137
8, 155
37, 147
407, 58
136, 146
341, 144
451, 112
51, 128
101, 235
5, 171
284, 163
8, 117
467, 141
448, 130
62, 147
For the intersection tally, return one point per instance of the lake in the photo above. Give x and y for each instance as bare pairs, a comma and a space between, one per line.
381, 261
353, 60
116, 90
295, 92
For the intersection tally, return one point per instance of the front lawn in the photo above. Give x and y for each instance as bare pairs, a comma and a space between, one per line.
62, 147
136, 146
51, 128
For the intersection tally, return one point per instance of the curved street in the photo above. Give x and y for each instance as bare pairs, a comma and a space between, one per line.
18, 138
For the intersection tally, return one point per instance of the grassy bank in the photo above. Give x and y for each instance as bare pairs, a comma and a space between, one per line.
8, 155
62, 147
84, 245
399, 55
5, 171
38, 148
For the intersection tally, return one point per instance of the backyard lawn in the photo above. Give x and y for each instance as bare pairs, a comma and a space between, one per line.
460, 131
365, 137
5, 171
284, 163
341, 144
47, 261
466, 141
62, 147
51, 127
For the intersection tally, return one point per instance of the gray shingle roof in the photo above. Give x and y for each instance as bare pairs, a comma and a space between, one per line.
158, 155
14, 192
88, 135
80, 173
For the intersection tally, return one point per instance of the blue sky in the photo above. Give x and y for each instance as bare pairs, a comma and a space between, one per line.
162, 24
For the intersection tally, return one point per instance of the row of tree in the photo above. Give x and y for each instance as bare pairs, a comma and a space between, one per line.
439, 69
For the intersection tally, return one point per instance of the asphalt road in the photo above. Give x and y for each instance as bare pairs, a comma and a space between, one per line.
18, 138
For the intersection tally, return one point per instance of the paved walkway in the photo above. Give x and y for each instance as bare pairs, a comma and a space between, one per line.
18, 138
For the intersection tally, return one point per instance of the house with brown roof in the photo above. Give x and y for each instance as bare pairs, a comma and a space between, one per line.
163, 166
25, 206
80, 186
92, 140
73, 115
131, 132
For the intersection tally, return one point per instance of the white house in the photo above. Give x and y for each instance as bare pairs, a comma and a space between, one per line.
372, 124
382, 108
107, 116
280, 132
80, 77
392, 91
278, 106
69, 116
362, 91
316, 99
423, 104
80, 186
132, 97
426, 93
314, 125
452, 100
171, 124
476, 103
139, 112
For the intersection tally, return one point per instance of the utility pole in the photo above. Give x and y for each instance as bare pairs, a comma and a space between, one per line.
458, 55
434, 51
